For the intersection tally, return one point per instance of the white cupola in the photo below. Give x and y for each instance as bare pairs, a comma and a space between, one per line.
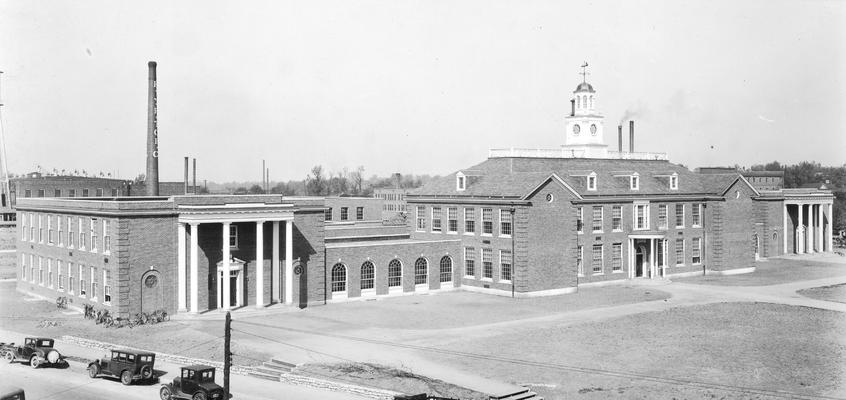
585, 133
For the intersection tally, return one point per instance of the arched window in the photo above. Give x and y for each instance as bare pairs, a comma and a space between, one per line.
775, 236
591, 101
339, 278
446, 269
367, 275
394, 273
421, 269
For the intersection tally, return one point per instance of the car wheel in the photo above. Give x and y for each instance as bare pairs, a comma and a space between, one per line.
126, 377
93, 370
146, 372
164, 393
9, 357
199, 396
33, 362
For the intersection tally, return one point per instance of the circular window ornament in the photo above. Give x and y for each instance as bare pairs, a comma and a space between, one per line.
151, 281
549, 197
576, 129
298, 269
593, 129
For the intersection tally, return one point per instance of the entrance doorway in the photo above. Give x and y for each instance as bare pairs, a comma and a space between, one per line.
641, 257
236, 283
647, 256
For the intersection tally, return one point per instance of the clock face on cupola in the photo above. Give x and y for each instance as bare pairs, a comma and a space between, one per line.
585, 123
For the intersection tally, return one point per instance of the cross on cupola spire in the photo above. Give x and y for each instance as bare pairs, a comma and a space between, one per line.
584, 72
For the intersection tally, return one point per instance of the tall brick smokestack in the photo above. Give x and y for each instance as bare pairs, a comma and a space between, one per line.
620, 138
631, 136
152, 180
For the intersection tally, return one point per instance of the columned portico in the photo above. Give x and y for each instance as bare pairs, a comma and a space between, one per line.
225, 216
813, 223
647, 256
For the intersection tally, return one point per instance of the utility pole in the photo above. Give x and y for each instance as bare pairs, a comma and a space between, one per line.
227, 354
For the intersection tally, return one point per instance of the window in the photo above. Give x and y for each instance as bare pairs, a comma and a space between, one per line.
40, 192
359, 213
81, 281
634, 182
591, 182
339, 278
71, 192
487, 221
505, 224
107, 244
23, 227
597, 218
23, 267
696, 250
49, 272
469, 262
81, 235
674, 182
344, 213
580, 222
28, 193
641, 216
452, 220
446, 269
460, 183
49, 229
436, 219
421, 271
114, 192
41, 271
697, 215
32, 268
679, 251
93, 294
679, 215
617, 257
421, 218
84, 192
579, 260
57, 193
487, 263
395, 274
93, 229
61, 277
367, 275
40, 229
469, 220
597, 259
233, 236
31, 228
70, 278
327, 215
505, 265
617, 218
662, 216
99, 192
71, 234
60, 235
107, 287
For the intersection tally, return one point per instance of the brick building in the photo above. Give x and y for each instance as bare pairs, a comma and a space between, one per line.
36, 184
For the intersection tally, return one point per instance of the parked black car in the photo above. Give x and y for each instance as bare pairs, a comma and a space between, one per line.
128, 365
35, 351
196, 382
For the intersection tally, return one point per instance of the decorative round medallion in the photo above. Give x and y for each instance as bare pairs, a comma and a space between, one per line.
593, 129
151, 281
298, 269
549, 197
576, 129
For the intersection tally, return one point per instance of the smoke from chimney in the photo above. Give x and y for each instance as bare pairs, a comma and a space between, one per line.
631, 136
152, 180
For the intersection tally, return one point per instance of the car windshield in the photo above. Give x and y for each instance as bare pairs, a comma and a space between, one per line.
45, 343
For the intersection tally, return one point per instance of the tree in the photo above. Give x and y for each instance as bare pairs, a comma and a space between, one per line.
141, 178
316, 183
240, 190
356, 178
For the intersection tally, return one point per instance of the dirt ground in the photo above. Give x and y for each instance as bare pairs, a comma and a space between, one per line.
776, 271
828, 293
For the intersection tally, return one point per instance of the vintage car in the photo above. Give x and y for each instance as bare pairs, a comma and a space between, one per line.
128, 365
196, 382
35, 351
8, 392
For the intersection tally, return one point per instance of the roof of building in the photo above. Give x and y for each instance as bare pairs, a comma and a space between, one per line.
585, 87
516, 177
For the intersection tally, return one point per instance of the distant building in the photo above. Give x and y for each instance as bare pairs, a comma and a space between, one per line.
761, 180
394, 201
36, 184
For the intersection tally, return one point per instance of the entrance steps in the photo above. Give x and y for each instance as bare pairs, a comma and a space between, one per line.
522, 394
272, 370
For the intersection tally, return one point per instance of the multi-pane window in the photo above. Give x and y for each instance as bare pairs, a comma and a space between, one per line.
674, 182
57, 193
421, 271
469, 220
487, 263
446, 269
94, 279
114, 192
421, 218
505, 265
60, 276
679, 215
344, 213
452, 220
99, 192
394, 273
696, 250
580, 260
436, 219
469, 262
617, 257
591, 182
597, 218
107, 287
596, 262
580, 222
84, 192
60, 234
81, 235
71, 234
359, 213
634, 182
327, 214
617, 218
49, 272
93, 229
505, 223
339, 278
32, 268
28, 193
487, 221
40, 192
49, 229
367, 275
40, 229
40, 270
71, 192
679, 251
662, 216
70, 278
107, 238
23, 267
82, 287
31, 228
697, 214
641, 216
23, 227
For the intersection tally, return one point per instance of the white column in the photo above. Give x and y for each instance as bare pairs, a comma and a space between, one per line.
289, 269
828, 228
800, 234
195, 301
819, 233
275, 294
180, 266
259, 264
812, 228
784, 232
652, 270
225, 267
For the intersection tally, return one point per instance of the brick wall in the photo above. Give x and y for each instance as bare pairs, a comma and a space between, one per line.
150, 251
547, 253
371, 207
736, 230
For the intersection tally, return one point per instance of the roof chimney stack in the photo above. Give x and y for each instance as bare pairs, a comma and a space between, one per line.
152, 180
620, 138
631, 136
185, 181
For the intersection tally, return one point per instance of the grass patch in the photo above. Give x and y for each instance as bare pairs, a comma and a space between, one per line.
773, 272
835, 293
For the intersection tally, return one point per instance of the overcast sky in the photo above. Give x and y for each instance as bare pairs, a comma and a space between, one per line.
414, 86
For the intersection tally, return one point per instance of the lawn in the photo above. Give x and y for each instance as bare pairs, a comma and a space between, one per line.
777, 271
666, 354
827, 293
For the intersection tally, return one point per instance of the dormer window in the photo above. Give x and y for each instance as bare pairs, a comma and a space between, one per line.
591, 181
674, 182
634, 182
460, 181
